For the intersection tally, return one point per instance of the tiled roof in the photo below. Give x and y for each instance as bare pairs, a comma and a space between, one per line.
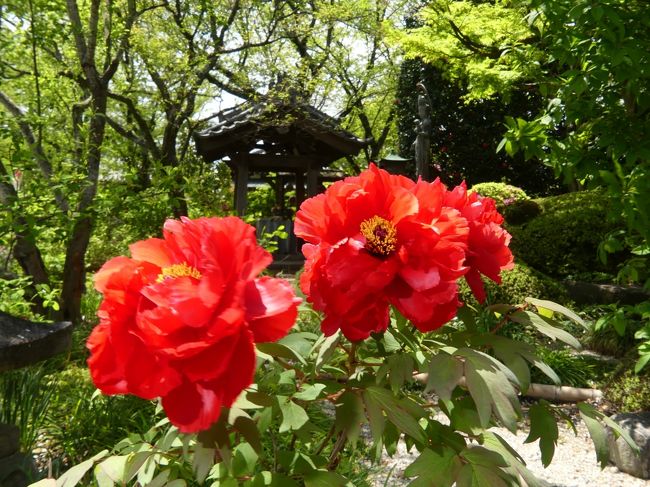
244, 124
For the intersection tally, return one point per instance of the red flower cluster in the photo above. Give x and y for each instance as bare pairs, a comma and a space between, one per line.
377, 239
180, 317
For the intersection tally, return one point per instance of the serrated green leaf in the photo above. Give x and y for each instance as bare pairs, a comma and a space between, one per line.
545, 326
435, 468
327, 349
597, 433
516, 464
349, 415
464, 416
202, 462
445, 372
276, 349
543, 426
616, 428
319, 478
375, 416
557, 308
309, 392
244, 460
300, 342
76, 473
293, 416
160, 479
248, 429
114, 469
490, 389
396, 413
401, 370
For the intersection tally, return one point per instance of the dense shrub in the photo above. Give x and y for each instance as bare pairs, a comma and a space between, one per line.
563, 240
82, 423
520, 212
518, 284
503, 194
630, 392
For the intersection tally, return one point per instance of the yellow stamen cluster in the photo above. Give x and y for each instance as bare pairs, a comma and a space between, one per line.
380, 234
178, 270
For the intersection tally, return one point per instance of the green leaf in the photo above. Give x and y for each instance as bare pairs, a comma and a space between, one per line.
437, 468
160, 479
596, 431
543, 426
319, 478
112, 470
396, 413
516, 464
245, 425
490, 389
327, 349
375, 416
276, 349
309, 392
300, 342
244, 460
401, 370
293, 416
480, 476
557, 308
445, 372
202, 462
618, 431
349, 415
545, 326
464, 416
76, 473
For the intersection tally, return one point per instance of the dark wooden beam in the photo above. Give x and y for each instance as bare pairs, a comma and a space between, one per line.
241, 185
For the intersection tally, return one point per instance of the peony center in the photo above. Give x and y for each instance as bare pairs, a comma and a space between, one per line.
380, 234
178, 270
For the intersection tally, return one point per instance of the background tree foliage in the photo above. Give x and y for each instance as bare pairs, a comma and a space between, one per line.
589, 60
99, 100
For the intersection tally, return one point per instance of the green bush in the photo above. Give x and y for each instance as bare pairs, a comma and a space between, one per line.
630, 392
83, 423
573, 370
563, 240
520, 212
503, 194
518, 284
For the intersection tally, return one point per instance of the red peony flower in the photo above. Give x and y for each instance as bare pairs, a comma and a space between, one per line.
377, 239
180, 317
487, 251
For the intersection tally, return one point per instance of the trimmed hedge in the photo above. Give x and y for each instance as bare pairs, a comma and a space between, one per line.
518, 284
563, 240
503, 194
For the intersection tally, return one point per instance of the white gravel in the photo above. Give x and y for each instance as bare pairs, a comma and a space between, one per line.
574, 463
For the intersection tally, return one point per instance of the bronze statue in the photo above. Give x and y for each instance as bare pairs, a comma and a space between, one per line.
422, 142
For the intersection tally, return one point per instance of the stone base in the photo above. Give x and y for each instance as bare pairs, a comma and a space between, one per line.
637, 425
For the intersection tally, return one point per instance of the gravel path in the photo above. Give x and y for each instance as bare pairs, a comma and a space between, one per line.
574, 463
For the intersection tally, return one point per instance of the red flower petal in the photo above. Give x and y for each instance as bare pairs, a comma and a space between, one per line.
271, 308
154, 250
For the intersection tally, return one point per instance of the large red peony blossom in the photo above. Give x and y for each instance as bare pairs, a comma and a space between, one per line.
180, 317
377, 239
487, 251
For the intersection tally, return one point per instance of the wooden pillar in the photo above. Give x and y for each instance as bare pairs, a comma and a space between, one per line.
312, 179
241, 185
300, 188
